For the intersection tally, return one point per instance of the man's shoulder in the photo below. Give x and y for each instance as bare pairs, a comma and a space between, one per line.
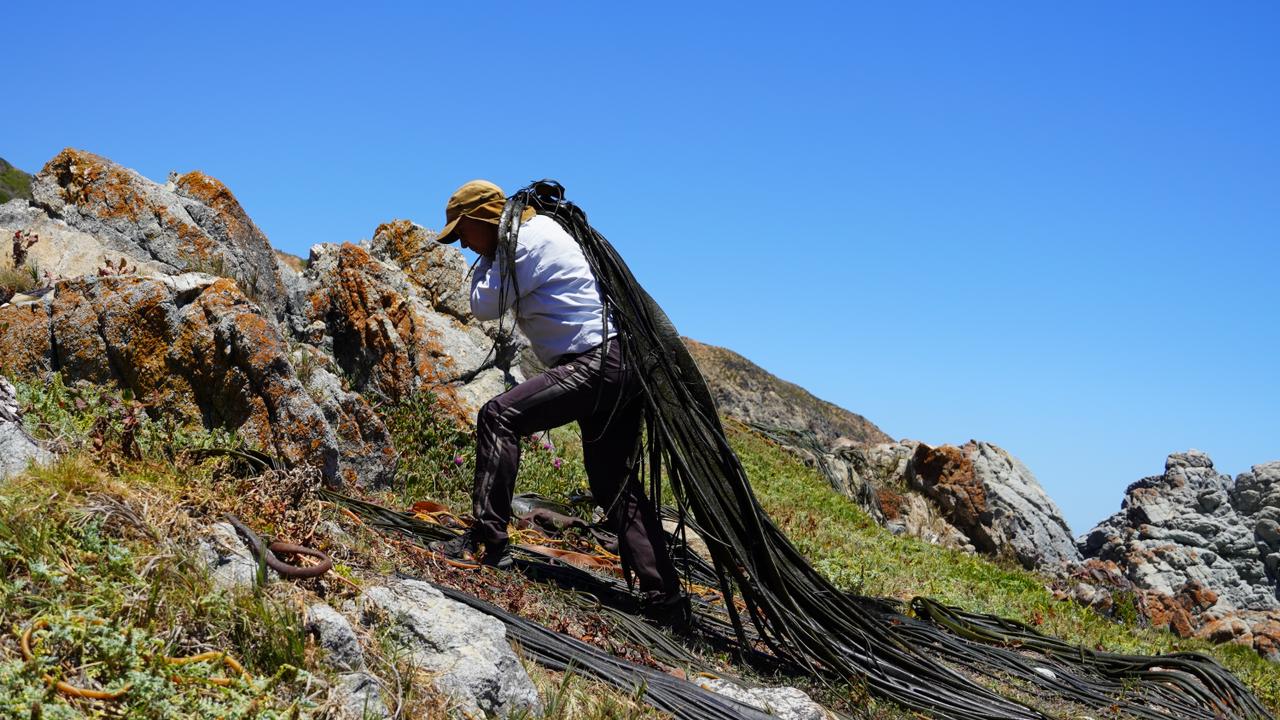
542, 232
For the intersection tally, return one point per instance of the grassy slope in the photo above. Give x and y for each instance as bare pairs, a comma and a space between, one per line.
65, 557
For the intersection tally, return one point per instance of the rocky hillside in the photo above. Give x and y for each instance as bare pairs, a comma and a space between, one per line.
13, 183
752, 394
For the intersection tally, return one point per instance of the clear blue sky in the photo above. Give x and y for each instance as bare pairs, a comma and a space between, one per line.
1049, 226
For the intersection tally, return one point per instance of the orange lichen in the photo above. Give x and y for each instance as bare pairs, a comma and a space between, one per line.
25, 347
107, 191
217, 196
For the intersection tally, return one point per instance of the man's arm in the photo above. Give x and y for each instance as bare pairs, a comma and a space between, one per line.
487, 279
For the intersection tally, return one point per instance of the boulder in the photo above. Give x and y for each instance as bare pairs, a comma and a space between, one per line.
438, 270
191, 223
996, 502
17, 448
465, 651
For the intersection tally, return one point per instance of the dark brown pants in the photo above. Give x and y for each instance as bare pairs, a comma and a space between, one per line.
608, 408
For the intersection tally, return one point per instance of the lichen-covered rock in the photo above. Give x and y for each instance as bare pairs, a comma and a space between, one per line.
995, 501
61, 251
465, 650
193, 223
195, 347
387, 337
26, 347
368, 457
17, 448
440, 270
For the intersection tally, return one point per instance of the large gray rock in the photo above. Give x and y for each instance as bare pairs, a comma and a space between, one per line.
465, 650
1194, 524
193, 346
191, 223
17, 448
977, 497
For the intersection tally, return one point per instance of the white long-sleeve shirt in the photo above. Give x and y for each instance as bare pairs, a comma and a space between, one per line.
560, 309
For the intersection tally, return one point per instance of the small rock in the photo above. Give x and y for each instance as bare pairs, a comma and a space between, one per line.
231, 565
358, 696
336, 636
783, 702
466, 651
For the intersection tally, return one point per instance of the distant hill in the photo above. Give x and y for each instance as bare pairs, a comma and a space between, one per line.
13, 183
750, 393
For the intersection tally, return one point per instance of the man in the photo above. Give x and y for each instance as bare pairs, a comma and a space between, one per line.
559, 310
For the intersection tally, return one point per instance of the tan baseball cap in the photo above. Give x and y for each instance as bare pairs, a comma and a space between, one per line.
478, 199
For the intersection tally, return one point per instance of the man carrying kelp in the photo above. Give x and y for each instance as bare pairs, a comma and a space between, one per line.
540, 272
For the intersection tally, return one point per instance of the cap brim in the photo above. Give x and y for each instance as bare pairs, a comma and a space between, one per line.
447, 234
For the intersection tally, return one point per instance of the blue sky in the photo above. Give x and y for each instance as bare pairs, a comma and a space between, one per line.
1052, 227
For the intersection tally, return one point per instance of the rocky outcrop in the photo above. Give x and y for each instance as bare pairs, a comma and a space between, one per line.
61, 251
747, 392
1199, 550
195, 347
192, 223
465, 651
17, 448
1194, 524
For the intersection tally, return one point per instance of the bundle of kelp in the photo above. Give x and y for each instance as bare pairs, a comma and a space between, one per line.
798, 612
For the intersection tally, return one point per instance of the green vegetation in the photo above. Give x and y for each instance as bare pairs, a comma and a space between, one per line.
108, 604
437, 458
